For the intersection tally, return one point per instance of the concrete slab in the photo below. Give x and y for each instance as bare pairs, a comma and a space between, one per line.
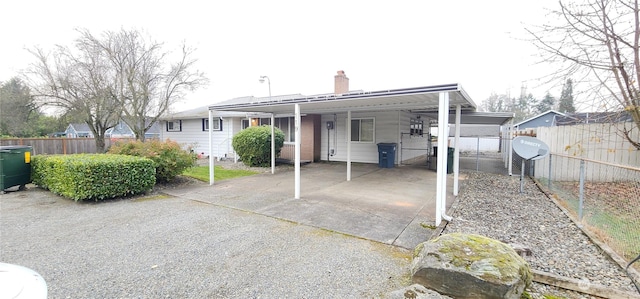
388, 205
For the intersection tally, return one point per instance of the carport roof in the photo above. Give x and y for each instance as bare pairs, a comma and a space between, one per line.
474, 117
423, 98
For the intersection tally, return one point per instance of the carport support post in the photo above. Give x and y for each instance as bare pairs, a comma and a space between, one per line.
441, 173
349, 145
297, 151
211, 165
273, 145
456, 152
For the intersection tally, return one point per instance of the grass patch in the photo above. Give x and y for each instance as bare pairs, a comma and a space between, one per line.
202, 173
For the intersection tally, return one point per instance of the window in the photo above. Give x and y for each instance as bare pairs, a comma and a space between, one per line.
416, 127
362, 130
265, 121
245, 123
287, 125
174, 126
217, 124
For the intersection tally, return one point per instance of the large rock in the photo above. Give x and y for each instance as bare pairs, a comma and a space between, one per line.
470, 266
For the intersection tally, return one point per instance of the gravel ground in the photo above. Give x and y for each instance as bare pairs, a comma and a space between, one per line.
491, 205
165, 247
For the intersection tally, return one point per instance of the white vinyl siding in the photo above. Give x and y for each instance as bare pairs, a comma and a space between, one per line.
412, 146
385, 130
193, 136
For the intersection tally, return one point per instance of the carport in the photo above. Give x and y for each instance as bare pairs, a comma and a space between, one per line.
440, 100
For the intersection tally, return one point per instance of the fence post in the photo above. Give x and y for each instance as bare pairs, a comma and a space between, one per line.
478, 155
550, 164
522, 177
580, 206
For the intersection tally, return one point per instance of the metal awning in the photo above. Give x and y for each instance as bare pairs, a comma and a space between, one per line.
473, 117
418, 98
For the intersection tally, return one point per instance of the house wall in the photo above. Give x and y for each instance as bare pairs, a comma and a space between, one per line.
387, 128
474, 144
310, 131
193, 136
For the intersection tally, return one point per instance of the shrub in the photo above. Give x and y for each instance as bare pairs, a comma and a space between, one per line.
253, 145
93, 176
169, 158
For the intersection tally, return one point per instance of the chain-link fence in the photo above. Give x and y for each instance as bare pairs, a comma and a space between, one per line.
484, 154
603, 197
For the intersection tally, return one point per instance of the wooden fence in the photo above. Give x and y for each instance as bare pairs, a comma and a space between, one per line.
59, 145
603, 143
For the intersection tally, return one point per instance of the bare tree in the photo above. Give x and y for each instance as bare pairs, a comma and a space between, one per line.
598, 42
78, 81
147, 83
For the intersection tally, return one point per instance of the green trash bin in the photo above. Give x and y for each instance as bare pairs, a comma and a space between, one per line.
450, 152
15, 166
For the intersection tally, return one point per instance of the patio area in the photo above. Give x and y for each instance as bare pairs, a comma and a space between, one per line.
390, 205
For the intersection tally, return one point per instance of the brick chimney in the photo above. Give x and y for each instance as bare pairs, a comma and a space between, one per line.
341, 83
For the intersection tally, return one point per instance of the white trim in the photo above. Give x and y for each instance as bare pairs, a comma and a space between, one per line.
348, 122
297, 152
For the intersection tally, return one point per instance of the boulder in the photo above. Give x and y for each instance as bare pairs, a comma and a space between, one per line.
470, 266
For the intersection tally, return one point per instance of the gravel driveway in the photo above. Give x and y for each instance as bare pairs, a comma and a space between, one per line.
165, 247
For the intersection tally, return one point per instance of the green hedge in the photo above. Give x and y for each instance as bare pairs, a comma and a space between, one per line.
93, 176
253, 145
168, 156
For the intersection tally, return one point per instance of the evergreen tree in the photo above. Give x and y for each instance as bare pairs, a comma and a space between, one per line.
566, 98
546, 104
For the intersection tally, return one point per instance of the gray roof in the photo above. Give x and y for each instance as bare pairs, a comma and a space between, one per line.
81, 127
539, 115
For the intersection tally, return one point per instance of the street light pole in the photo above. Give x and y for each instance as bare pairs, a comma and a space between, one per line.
273, 139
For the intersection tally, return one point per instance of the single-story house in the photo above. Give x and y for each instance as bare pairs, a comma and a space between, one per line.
545, 119
122, 130
78, 130
351, 125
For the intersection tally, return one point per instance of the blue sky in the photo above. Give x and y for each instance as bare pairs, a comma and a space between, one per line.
301, 44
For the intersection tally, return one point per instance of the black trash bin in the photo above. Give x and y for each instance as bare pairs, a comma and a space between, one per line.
386, 155
15, 166
449, 158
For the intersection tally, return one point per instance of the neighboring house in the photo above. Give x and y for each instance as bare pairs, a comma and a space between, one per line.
78, 130
122, 130
545, 119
